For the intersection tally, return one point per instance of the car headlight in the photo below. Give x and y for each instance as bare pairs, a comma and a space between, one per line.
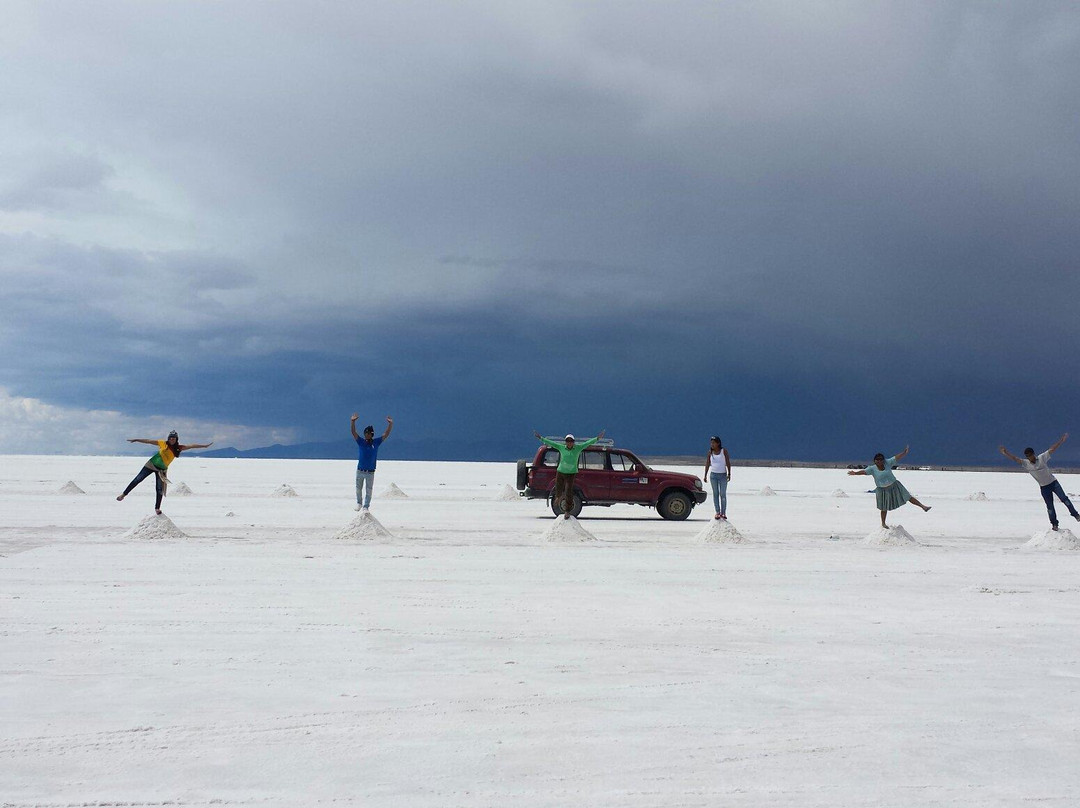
697, 483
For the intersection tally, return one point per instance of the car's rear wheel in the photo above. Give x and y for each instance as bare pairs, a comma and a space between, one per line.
675, 506
557, 504
522, 475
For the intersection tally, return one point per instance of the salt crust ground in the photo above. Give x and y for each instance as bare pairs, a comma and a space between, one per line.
721, 531
464, 662
893, 536
1061, 539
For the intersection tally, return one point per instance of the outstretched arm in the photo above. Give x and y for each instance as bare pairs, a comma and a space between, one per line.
900, 455
389, 427
547, 442
1010, 455
352, 425
142, 440
591, 441
1060, 441
856, 472
196, 446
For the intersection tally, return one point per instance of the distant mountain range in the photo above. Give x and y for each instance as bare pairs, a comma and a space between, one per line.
394, 449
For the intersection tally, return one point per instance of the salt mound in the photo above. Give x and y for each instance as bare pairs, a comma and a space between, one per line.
508, 494
393, 492
155, 526
1063, 539
890, 537
363, 527
839, 492
70, 488
182, 490
767, 492
567, 529
285, 490
721, 531
230, 513
978, 496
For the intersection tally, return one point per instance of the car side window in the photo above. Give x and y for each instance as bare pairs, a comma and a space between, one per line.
592, 460
619, 462
550, 458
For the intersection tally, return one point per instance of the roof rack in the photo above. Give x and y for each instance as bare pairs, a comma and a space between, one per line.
562, 438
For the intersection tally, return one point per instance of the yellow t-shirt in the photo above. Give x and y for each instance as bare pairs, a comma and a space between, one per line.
164, 455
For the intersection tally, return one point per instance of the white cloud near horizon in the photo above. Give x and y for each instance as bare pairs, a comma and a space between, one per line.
31, 426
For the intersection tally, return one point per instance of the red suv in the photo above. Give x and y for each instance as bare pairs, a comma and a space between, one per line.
606, 476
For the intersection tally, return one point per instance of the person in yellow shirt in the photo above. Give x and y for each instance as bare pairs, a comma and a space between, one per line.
168, 450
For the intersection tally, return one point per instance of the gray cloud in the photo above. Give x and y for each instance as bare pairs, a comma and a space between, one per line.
869, 193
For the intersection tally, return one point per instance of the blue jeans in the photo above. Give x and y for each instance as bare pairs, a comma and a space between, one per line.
364, 480
719, 491
1048, 492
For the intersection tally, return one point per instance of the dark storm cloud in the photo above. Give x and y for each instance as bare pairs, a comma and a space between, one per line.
775, 211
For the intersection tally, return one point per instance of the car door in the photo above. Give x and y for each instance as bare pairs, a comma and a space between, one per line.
629, 478
593, 477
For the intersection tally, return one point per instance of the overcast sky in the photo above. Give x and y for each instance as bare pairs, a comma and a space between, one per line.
817, 229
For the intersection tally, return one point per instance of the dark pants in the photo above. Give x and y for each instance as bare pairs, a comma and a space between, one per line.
564, 491
1048, 492
144, 472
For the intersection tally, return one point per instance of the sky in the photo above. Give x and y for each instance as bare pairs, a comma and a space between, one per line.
819, 230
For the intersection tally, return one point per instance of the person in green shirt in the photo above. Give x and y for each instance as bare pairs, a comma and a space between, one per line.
569, 452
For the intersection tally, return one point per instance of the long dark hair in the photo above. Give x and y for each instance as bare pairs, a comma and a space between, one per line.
174, 448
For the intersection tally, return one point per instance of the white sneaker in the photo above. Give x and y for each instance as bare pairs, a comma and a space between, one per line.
357, 507
364, 509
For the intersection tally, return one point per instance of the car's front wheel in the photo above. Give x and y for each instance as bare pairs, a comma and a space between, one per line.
675, 506
557, 505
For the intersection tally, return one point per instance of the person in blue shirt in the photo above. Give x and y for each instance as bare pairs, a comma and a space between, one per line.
369, 454
891, 493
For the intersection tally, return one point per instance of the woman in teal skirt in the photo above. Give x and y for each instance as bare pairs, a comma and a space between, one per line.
891, 493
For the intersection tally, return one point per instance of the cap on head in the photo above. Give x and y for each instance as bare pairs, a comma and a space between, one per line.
174, 435
369, 428
570, 436
1029, 451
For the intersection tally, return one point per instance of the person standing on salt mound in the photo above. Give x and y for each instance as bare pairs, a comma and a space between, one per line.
168, 450
368, 456
718, 474
1038, 468
891, 493
569, 452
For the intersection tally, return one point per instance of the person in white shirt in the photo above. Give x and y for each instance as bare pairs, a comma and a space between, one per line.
718, 475
1037, 467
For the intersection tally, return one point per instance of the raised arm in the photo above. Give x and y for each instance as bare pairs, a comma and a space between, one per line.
389, 427
855, 472
587, 443
196, 446
1060, 441
901, 455
547, 442
1010, 455
143, 440
352, 425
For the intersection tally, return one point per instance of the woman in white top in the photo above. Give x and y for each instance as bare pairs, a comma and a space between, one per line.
718, 474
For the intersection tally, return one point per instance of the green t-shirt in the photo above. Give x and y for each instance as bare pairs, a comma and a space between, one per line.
568, 458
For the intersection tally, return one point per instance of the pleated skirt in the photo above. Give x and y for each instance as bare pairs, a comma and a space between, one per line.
892, 497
